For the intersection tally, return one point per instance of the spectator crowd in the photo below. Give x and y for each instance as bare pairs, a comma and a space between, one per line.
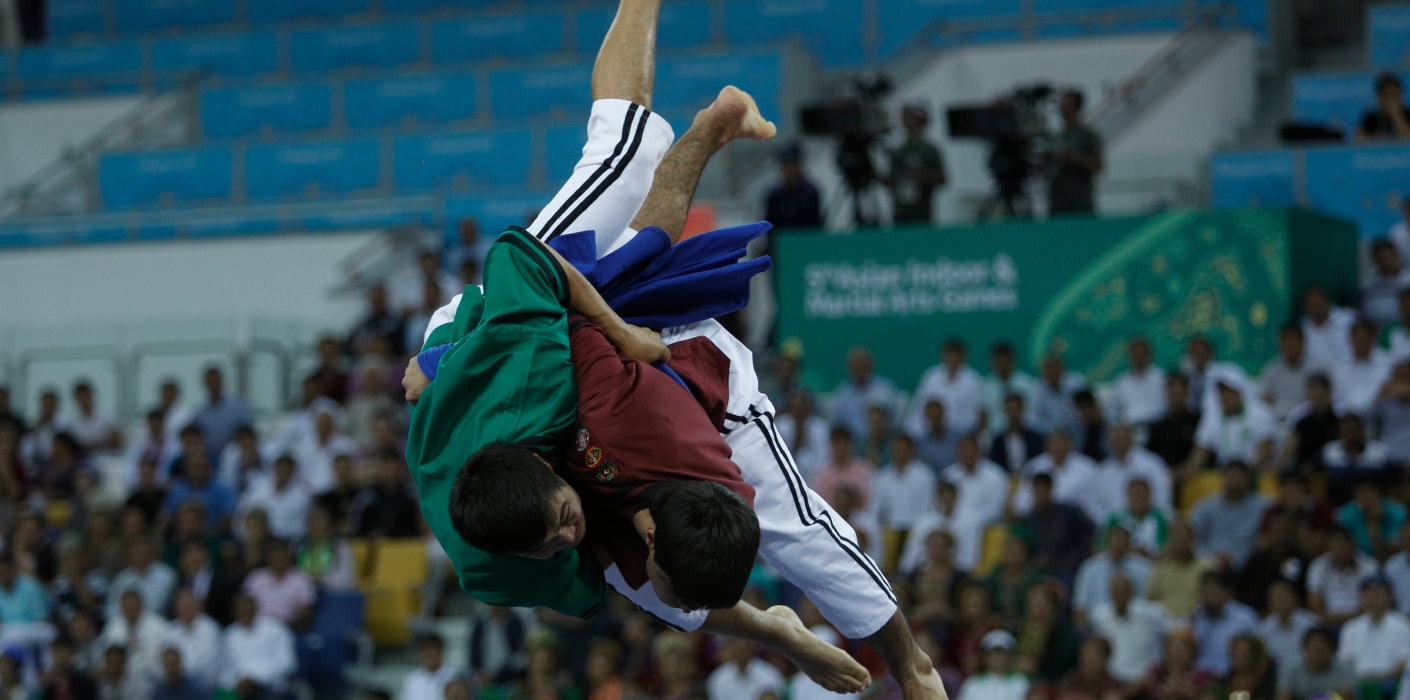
1179, 533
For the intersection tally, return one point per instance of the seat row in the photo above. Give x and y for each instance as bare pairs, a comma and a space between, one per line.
1336, 99
460, 162
1362, 183
684, 86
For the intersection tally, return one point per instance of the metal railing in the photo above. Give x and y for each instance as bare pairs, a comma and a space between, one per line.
69, 183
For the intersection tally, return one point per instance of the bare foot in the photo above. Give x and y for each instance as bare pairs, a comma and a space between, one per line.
923, 683
734, 115
827, 665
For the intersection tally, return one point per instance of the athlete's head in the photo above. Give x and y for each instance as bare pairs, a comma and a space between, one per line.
702, 546
507, 500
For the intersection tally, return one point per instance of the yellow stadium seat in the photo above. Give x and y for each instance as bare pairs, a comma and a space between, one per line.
1202, 484
58, 512
389, 613
362, 559
1268, 484
400, 563
994, 538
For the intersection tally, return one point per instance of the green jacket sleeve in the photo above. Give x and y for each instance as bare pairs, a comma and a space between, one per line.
508, 378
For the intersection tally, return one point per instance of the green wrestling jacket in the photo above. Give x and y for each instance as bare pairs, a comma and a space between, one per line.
517, 329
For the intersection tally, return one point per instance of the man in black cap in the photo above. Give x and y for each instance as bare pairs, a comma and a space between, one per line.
793, 203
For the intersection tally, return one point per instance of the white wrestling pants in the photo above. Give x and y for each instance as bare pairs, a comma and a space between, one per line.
800, 536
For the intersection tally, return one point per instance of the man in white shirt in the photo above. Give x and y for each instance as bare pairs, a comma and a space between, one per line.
806, 433
983, 486
1376, 644
1093, 583
1006, 379
1326, 329
1126, 463
1136, 628
259, 652
1334, 579
966, 530
140, 630
1399, 232
152, 579
1380, 293
175, 414
315, 455
1282, 384
1283, 629
1240, 429
1397, 571
742, 675
955, 385
196, 636
428, 681
242, 461
902, 492
1357, 381
1074, 477
282, 497
94, 429
157, 444
1138, 394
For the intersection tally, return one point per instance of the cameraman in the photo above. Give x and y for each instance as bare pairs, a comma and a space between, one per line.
916, 170
1077, 158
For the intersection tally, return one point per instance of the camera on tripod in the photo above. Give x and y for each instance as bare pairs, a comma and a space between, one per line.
858, 120
1016, 128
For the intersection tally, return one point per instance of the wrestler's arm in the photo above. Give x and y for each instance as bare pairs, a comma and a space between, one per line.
634, 342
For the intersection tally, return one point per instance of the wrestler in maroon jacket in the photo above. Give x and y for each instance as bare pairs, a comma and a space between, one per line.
642, 437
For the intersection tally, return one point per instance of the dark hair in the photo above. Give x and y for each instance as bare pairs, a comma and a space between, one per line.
378, 695
156, 414
1044, 479
1178, 378
840, 433
430, 639
1382, 244
1003, 347
1224, 578
1291, 329
244, 430
1386, 79
501, 499
707, 538
1078, 99
1319, 632
192, 429
1084, 397
1319, 379
954, 344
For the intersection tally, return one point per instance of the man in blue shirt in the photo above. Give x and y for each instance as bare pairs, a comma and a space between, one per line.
863, 389
197, 484
1217, 620
220, 418
22, 599
176, 683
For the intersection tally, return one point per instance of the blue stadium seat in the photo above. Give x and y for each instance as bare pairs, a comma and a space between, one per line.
366, 45
526, 93
681, 26
265, 11
235, 112
900, 20
75, 61
314, 168
1259, 178
393, 101
1390, 36
142, 179
69, 18
565, 147
328, 645
830, 29
137, 16
1334, 99
494, 214
687, 85
486, 36
230, 55
375, 214
1362, 183
428, 5
462, 161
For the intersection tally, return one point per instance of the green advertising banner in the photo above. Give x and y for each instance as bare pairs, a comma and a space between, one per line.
1078, 287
